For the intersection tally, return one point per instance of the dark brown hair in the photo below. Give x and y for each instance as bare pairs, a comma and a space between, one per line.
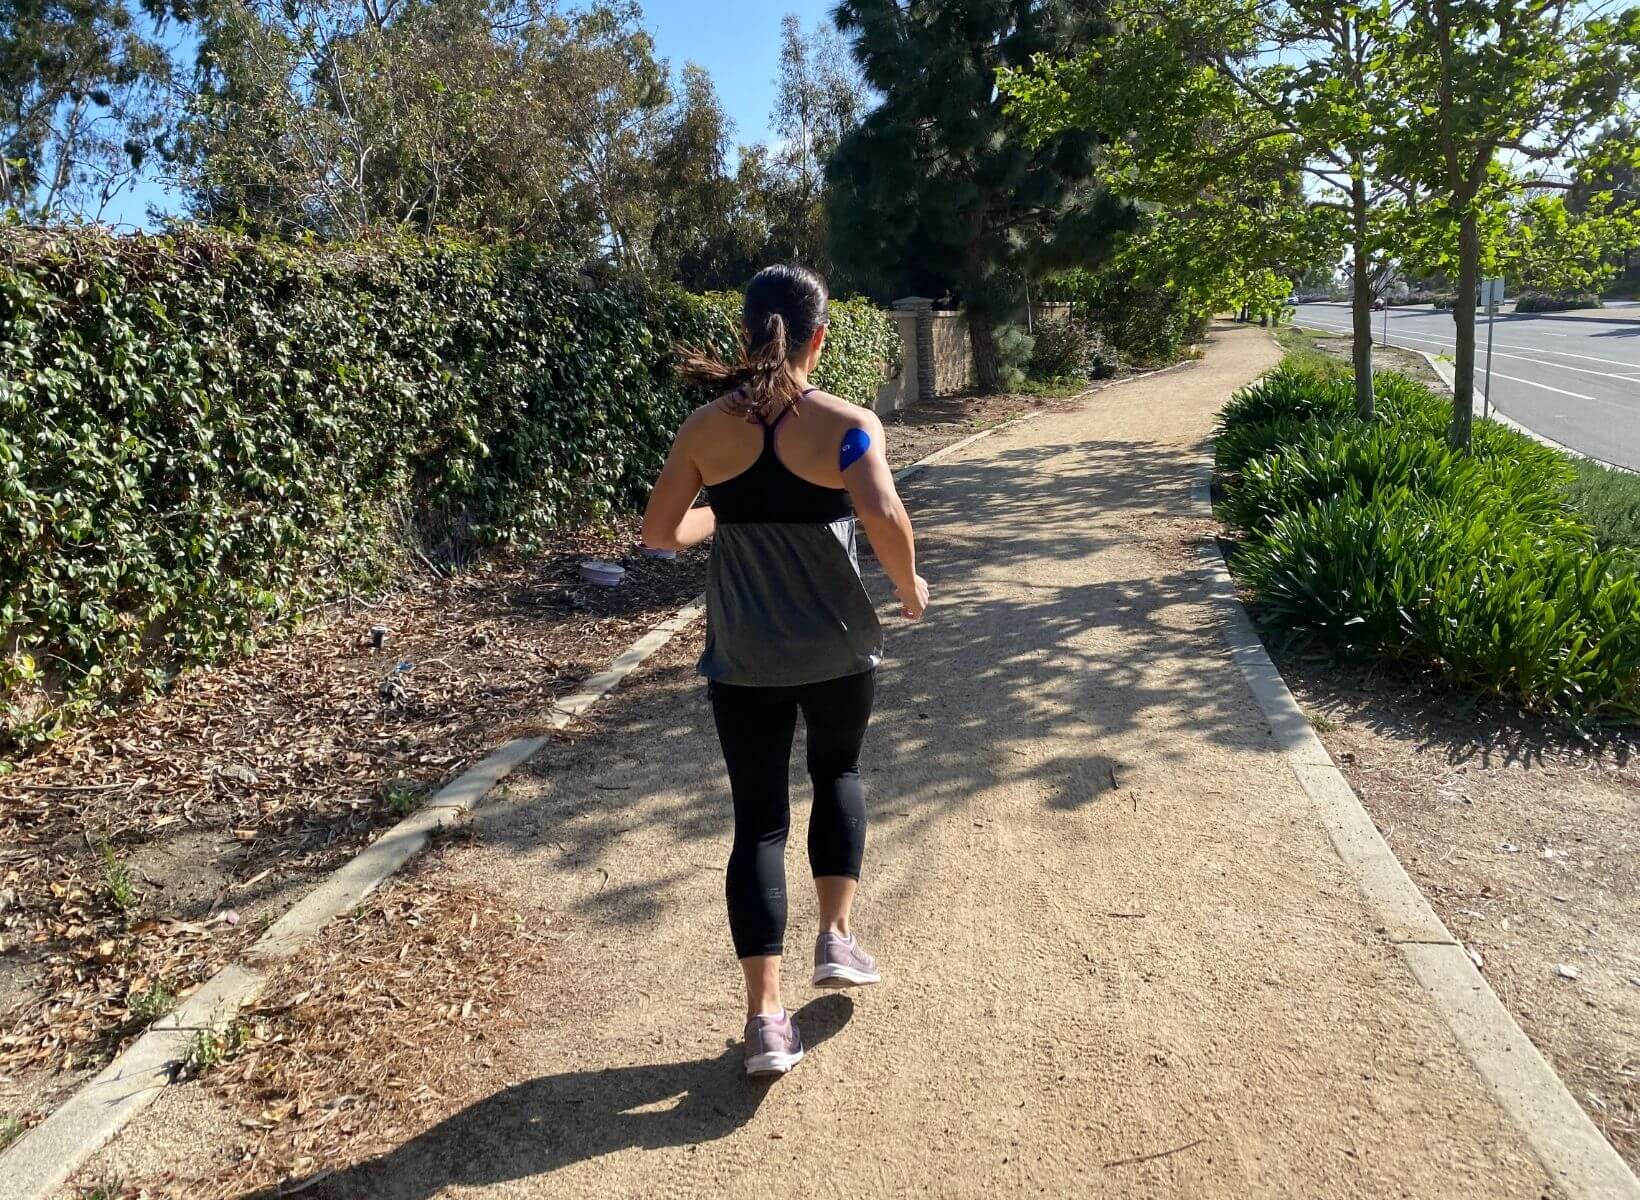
784, 306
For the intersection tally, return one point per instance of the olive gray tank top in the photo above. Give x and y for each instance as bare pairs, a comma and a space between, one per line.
785, 604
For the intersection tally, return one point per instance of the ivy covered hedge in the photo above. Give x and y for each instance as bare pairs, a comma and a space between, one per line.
202, 435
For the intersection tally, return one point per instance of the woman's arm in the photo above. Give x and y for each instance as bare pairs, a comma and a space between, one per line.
877, 503
670, 522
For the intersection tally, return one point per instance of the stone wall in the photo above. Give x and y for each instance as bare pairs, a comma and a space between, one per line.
953, 357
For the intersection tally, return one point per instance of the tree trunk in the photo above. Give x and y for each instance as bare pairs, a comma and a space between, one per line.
987, 367
1361, 304
1463, 310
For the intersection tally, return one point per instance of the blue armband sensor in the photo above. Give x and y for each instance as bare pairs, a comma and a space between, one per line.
855, 444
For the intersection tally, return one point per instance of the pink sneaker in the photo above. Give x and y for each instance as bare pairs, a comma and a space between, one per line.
839, 962
773, 1046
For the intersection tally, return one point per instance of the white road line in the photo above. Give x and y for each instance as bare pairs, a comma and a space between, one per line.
1536, 362
1544, 386
1501, 346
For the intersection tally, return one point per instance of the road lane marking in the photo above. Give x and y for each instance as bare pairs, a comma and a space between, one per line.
1544, 386
1500, 346
1536, 362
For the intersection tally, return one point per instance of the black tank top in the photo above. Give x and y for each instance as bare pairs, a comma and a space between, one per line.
768, 491
784, 601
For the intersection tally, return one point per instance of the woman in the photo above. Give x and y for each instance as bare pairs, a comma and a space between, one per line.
789, 625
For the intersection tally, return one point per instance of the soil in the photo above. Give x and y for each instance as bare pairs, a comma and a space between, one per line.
1384, 358
1526, 839
916, 432
1120, 955
219, 803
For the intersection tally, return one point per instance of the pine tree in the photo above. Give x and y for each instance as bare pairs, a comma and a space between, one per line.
938, 190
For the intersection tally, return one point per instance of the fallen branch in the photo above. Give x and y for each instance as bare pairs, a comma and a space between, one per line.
1127, 1162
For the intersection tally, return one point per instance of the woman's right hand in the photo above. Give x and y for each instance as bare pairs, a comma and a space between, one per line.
914, 602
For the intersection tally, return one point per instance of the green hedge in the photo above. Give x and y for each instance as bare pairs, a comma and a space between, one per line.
1376, 540
201, 435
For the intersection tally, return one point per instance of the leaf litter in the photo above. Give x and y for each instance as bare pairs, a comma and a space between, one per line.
146, 850
372, 1033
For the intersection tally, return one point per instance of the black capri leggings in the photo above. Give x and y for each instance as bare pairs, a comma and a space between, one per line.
755, 726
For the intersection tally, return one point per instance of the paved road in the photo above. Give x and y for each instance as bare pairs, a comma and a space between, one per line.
1572, 378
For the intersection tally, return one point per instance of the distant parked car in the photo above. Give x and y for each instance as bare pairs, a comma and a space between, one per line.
1380, 304
1291, 301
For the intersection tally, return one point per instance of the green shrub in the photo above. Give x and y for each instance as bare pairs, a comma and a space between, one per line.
1014, 348
1375, 539
1069, 349
201, 435
1609, 500
1146, 325
1544, 302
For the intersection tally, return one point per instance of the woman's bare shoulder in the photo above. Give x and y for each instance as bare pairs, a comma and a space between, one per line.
844, 412
705, 416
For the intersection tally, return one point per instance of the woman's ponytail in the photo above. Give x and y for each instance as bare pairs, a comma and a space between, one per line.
784, 306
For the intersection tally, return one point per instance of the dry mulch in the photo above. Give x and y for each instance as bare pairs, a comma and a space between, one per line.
141, 853
389, 1019
1384, 358
1526, 839
144, 851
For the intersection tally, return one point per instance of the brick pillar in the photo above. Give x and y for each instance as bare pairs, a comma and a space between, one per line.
923, 309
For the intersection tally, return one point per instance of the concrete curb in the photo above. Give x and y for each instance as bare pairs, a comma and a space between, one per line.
1445, 371
1561, 1135
44, 1158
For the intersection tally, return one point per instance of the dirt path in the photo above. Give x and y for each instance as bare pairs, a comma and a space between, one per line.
1121, 957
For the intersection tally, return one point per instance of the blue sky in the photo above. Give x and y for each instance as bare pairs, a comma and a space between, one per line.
738, 41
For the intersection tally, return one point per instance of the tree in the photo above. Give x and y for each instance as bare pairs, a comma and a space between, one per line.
1206, 97
1487, 78
819, 100
494, 117
1609, 171
938, 189
81, 91
705, 236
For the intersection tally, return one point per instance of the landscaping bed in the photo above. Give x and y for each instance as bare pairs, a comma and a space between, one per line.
1526, 842
1312, 348
1465, 634
143, 851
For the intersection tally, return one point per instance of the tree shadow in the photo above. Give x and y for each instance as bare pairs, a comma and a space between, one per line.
553, 1121
1029, 683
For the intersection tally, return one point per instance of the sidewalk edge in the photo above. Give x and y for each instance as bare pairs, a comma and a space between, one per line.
1561, 1136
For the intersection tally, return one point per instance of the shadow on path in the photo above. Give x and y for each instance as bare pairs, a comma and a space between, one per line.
554, 1121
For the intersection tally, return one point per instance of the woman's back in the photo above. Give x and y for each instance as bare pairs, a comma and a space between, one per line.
785, 604
789, 626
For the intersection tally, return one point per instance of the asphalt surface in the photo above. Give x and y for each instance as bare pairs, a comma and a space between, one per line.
1572, 377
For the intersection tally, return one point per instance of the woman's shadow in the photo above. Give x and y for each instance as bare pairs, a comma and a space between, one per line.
536, 1127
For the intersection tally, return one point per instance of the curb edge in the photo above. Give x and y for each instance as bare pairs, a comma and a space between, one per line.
1571, 1149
